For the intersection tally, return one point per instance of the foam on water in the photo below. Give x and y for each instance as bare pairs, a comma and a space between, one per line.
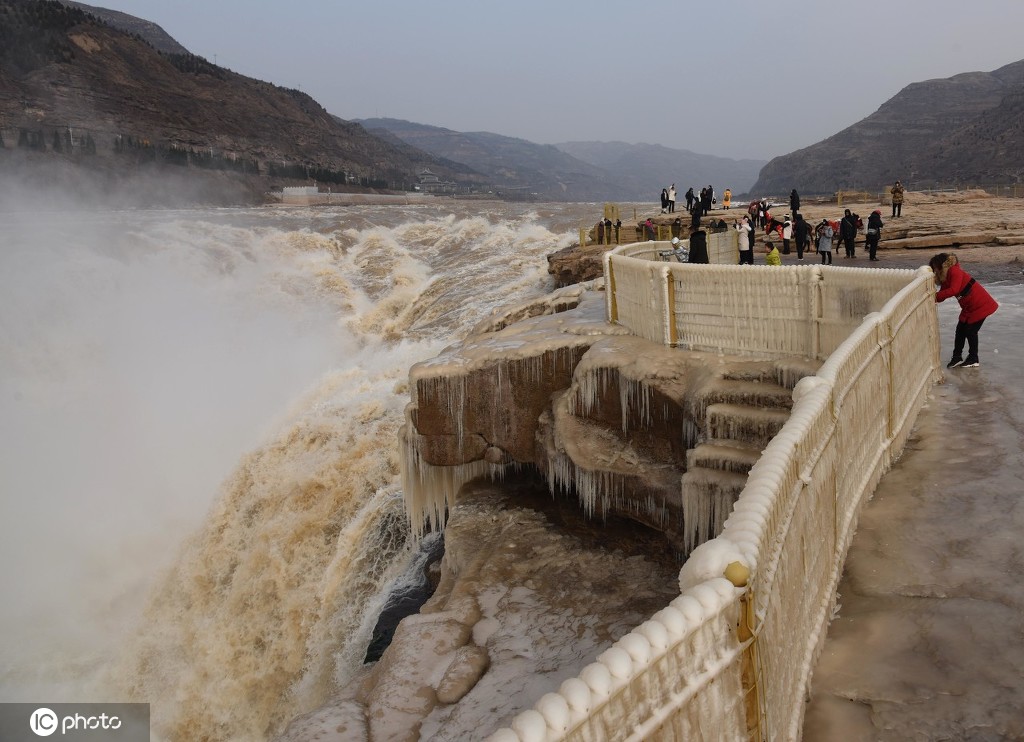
149, 357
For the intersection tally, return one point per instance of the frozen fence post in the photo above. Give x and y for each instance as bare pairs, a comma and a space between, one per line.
739, 575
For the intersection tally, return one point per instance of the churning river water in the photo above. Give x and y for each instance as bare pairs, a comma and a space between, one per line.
198, 459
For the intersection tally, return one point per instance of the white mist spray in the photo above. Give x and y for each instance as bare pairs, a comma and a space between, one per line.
143, 355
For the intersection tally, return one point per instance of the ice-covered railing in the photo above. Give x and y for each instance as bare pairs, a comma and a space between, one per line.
732, 659
768, 311
723, 248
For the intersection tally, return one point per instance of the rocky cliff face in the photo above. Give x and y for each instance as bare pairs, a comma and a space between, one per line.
93, 96
961, 129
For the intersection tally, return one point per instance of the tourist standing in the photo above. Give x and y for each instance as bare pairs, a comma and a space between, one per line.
664, 200
746, 241
699, 247
874, 233
787, 234
802, 232
689, 199
727, 199
975, 305
897, 199
672, 199
824, 234
848, 232
794, 202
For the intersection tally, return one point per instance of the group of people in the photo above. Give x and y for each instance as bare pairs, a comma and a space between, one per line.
758, 211
846, 231
797, 230
801, 232
700, 202
606, 231
976, 304
668, 199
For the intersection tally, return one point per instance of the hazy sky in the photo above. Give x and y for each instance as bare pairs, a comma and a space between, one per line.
740, 79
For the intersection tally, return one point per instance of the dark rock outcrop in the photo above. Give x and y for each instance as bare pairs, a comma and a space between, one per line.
576, 264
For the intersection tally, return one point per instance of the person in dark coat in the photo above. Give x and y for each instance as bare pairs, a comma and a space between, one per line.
699, 247
823, 233
664, 200
689, 200
874, 233
802, 232
695, 218
975, 305
848, 232
794, 202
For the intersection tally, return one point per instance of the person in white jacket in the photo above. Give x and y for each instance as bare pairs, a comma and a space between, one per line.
787, 234
746, 241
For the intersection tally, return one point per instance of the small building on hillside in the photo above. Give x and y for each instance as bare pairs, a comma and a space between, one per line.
430, 182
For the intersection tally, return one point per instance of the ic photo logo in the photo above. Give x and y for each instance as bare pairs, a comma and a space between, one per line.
43, 722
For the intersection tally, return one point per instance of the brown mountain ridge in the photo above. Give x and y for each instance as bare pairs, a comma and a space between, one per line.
964, 130
106, 100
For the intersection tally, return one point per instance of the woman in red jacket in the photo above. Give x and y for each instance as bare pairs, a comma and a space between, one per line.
975, 305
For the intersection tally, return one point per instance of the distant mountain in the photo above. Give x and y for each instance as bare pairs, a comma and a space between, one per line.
513, 166
77, 91
651, 167
575, 171
965, 129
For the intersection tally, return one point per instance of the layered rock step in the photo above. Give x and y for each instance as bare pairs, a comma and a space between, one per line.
726, 456
738, 414
753, 425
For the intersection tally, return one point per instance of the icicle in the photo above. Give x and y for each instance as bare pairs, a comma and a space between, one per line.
705, 508
431, 490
